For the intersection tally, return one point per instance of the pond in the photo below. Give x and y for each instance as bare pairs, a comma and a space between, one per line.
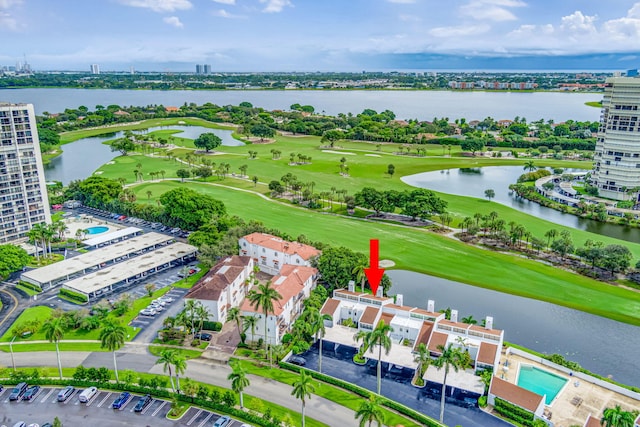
82, 157
472, 182
602, 345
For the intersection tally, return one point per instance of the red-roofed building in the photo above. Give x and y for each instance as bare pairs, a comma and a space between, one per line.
525, 399
223, 287
294, 284
270, 253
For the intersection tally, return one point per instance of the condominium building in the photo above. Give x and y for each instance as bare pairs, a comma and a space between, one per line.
23, 191
95, 69
616, 170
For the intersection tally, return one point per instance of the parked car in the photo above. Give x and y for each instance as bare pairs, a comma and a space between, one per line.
203, 336
87, 394
167, 300
47, 425
121, 400
148, 312
143, 402
31, 392
18, 391
65, 393
20, 424
297, 360
223, 421
34, 425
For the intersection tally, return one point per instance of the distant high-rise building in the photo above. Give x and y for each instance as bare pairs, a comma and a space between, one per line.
23, 192
132, 70
199, 69
632, 73
95, 69
207, 69
616, 170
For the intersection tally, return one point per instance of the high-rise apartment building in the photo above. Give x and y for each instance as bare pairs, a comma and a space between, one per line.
616, 170
207, 69
199, 69
95, 69
23, 191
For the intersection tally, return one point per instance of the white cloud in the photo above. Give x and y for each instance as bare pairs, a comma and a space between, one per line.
7, 20
6, 4
402, 1
174, 21
578, 22
159, 5
228, 2
275, 6
221, 13
459, 31
491, 10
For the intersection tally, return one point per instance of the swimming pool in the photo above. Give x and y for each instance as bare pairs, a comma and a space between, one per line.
541, 382
97, 230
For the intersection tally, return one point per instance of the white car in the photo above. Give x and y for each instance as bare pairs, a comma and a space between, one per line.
167, 300
148, 312
157, 308
159, 302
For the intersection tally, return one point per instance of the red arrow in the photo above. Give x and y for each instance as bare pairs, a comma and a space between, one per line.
374, 272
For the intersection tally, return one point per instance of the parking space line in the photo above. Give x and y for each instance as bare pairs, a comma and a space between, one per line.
47, 396
164, 402
103, 400
95, 396
194, 417
126, 403
68, 399
144, 411
205, 420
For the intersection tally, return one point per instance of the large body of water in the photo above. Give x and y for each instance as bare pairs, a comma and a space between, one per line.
421, 105
601, 345
472, 182
81, 158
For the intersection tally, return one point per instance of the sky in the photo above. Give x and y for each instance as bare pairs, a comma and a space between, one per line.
321, 35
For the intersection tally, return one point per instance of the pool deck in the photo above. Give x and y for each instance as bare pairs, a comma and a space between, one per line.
82, 222
577, 399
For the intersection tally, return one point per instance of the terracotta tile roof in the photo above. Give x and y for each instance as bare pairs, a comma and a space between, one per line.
425, 312
289, 283
513, 394
346, 292
330, 306
211, 285
487, 353
268, 241
425, 333
437, 339
387, 318
485, 330
369, 315
398, 307
592, 422
454, 324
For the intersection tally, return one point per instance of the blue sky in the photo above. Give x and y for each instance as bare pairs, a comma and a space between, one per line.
321, 35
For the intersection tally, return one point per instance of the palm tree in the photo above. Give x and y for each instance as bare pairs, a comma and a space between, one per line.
450, 358
616, 417
166, 359
180, 366
234, 315
249, 322
550, 234
302, 388
370, 411
361, 276
239, 381
469, 320
54, 331
423, 359
378, 337
112, 337
263, 298
316, 322
530, 165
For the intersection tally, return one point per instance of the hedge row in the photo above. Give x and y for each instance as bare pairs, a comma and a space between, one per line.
360, 391
31, 286
76, 296
513, 412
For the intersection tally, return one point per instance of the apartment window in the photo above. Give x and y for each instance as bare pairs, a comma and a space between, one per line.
617, 159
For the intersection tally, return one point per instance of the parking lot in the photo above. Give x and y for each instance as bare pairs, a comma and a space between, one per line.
45, 406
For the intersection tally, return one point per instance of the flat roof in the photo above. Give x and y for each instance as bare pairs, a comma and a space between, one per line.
95, 257
94, 241
108, 276
463, 379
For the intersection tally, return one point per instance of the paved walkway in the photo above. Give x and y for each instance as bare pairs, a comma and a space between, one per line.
317, 407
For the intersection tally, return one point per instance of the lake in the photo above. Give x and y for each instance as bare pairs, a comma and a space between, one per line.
601, 345
422, 105
472, 182
83, 157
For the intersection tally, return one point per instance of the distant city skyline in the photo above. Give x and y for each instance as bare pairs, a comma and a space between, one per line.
328, 35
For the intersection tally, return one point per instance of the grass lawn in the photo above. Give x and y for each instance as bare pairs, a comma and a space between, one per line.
330, 392
64, 346
189, 354
437, 255
26, 290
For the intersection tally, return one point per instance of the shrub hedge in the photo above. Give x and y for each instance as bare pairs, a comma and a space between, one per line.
31, 286
513, 412
74, 295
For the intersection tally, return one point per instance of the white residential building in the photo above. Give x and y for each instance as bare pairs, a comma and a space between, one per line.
270, 253
616, 169
223, 287
23, 192
294, 284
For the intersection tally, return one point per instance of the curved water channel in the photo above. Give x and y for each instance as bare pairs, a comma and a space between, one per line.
601, 345
472, 182
82, 157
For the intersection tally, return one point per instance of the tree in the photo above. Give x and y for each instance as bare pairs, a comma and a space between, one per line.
166, 359
263, 298
423, 359
336, 265
239, 381
150, 287
249, 323
616, 258
208, 141
123, 145
550, 234
57, 422
450, 358
255, 181
183, 173
112, 337
472, 144
332, 136
189, 210
391, 169
616, 417
12, 258
378, 337
315, 319
489, 194
263, 131
234, 315
530, 165
54, 331
370, 412
302, 388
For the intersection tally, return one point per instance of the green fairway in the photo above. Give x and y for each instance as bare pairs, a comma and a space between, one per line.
430, 253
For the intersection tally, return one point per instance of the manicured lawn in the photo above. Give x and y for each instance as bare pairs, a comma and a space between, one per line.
438, 255
64, 346
189, 354
27, 290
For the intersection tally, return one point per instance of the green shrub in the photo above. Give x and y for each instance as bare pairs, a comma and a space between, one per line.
482, 401
211, 326
75, 296
31, 286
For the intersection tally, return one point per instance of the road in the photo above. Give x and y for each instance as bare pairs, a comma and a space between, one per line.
134, 358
